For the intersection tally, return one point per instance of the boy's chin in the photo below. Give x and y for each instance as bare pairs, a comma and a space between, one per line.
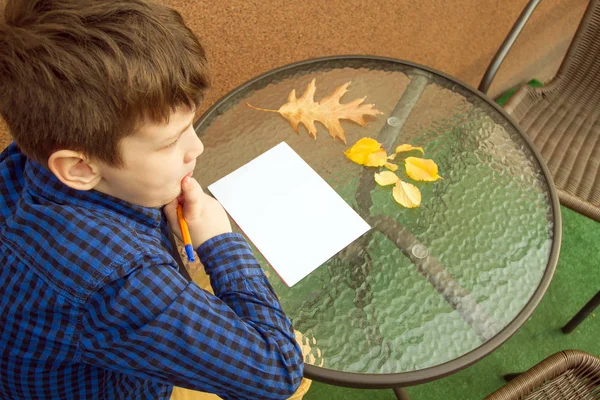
171, 200
155, 203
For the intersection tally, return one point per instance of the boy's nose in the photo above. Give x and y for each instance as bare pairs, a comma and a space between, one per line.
195, 150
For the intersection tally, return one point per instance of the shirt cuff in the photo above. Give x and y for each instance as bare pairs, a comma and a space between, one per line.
228, 256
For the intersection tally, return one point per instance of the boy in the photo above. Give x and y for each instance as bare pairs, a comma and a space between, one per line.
100, 96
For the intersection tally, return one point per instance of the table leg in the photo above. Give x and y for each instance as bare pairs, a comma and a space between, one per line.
401, 394
458, 297
581, 315
451, 290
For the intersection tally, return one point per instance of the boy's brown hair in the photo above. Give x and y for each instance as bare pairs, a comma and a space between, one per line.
82, 74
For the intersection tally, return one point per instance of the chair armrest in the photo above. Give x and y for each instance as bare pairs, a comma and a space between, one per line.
514, 33
583, 367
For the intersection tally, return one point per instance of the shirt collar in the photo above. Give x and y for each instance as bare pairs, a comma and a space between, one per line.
42, 182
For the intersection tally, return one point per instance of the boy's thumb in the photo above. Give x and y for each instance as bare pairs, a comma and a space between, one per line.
191, 190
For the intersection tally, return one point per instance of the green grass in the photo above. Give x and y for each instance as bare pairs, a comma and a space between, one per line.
508, 94
576, 280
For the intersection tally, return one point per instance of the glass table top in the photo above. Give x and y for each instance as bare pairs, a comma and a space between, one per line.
428, 285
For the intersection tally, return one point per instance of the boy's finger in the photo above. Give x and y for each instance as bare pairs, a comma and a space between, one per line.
192, 191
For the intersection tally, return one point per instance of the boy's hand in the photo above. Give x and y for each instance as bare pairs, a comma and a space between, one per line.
204, 215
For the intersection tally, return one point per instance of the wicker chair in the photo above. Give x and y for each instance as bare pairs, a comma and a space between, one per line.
563, 117
568, 375
563, 120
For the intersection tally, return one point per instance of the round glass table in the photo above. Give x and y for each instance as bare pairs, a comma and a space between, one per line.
428, 290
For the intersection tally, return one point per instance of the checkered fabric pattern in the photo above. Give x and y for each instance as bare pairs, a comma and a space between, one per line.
93, 306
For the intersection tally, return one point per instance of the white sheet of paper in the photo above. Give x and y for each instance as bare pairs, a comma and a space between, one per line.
293, 217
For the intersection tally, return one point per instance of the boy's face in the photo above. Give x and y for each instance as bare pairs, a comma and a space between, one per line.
156, 158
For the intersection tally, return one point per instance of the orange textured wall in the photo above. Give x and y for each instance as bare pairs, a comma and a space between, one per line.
245, 38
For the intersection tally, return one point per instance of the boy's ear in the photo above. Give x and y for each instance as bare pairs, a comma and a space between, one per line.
74, 169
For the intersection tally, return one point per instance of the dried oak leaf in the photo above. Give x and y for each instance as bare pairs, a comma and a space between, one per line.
328, 111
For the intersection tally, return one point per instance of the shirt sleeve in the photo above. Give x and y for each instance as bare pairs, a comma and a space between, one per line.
153, 324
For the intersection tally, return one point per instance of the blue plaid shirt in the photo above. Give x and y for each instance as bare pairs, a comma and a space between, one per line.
93, 305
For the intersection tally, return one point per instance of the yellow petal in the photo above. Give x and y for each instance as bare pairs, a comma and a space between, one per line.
386, 178
421, 169
407, 194
391, 167
392, 156
407, 147
378, 159
359, 153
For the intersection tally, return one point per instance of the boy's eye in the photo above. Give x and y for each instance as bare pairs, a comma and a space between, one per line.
172, 143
